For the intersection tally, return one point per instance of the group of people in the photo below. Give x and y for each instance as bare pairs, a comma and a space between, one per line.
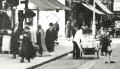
105, 43
23, 45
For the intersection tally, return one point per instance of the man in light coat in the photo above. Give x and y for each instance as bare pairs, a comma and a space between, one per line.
77, 44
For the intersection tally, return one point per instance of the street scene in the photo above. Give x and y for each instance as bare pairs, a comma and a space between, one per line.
88, 61
59, 34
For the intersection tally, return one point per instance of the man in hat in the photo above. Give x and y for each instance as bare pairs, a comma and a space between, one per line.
50, 38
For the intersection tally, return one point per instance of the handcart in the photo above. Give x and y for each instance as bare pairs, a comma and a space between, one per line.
90, 46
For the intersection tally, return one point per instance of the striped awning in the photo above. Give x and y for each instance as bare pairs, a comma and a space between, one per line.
44, 5
103, 7
58, 4
90, 7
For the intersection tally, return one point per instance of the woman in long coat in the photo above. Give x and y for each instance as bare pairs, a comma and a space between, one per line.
27, 50
49, 39
15, 44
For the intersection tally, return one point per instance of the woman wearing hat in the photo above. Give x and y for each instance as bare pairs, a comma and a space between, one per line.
50, 38
26, 50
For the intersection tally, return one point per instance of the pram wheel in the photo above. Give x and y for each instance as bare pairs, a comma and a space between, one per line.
81, 55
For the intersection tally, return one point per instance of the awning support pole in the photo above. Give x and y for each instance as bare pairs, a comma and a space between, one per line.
93, 24
38, 17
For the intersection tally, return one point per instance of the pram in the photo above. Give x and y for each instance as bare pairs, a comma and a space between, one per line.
90, 46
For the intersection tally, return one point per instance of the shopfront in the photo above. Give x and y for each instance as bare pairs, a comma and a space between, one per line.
91, 13
29, 12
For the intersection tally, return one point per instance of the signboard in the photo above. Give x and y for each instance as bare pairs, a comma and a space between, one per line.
6, 43
116, 6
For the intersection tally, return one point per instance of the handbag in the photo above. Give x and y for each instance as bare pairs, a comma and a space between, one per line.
109, 49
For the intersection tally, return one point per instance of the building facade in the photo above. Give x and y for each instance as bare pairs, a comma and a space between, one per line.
84, 15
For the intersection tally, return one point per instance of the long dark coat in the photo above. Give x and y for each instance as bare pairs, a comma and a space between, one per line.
14, 48
49, 40
40, 50
27, 50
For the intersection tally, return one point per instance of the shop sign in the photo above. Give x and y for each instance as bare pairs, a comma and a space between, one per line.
116, 6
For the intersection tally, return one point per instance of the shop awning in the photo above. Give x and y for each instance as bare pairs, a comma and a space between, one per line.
103, 7
58, 4
92, 8
44, 5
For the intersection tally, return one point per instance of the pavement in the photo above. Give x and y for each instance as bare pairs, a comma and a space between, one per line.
64, 47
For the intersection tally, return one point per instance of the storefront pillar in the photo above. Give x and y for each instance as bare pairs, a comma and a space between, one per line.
94, 22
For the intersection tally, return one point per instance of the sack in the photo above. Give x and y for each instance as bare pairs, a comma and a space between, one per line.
109, 49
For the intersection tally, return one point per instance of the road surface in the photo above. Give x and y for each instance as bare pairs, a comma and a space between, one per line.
88, 61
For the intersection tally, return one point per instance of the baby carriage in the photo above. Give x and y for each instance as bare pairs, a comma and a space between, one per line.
90, 46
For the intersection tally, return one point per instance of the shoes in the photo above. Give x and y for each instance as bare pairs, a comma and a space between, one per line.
106, 62
112, 62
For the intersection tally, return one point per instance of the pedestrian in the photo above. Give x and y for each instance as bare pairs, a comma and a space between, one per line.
77, 49
106, 43
50, 38
56, 28
68, 29
74, 29
101, 34
41, 40
27, 50
15, 44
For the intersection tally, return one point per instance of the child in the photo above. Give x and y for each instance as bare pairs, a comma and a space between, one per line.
106, 43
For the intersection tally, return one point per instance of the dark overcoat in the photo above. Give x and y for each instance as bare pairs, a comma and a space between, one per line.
27, 50
14, 47
49, 40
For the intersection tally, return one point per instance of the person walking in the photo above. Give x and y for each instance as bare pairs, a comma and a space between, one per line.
68, 29
74, 29
56, 28
27, 50
41, 40
15, 44
76, 43
103, 35
102, 32
106, 47
49, 39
